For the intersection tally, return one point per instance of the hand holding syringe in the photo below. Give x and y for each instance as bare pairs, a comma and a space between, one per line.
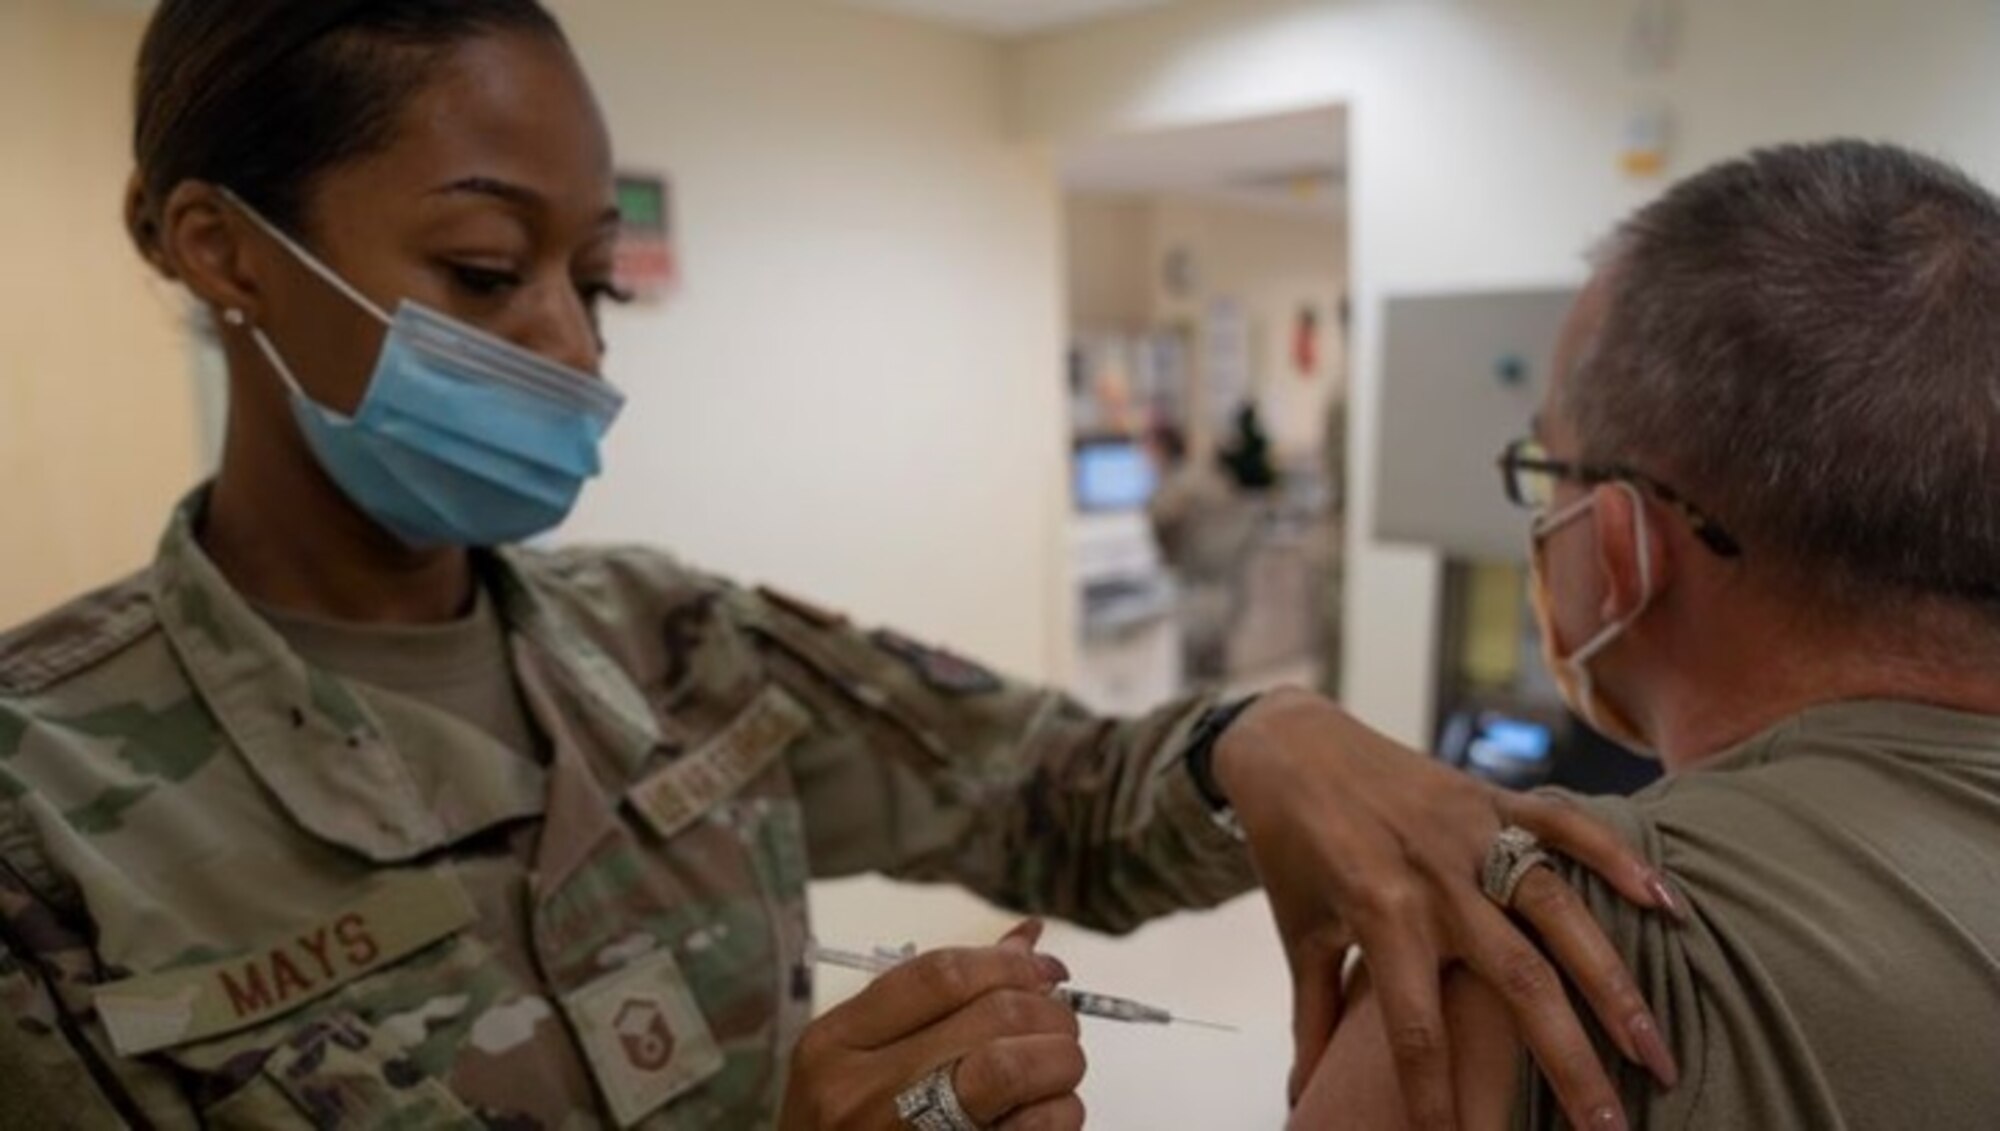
883, 959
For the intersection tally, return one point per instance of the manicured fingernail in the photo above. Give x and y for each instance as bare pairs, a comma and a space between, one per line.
1653, 1051
1607, 1119
1023, 936
1669, 902
1052, 968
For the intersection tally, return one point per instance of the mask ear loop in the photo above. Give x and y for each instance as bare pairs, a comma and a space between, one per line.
284, 373
1547, 524
1644, 538
236, 319
311, 261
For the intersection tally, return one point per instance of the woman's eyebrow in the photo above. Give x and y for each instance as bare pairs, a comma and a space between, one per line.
521, 196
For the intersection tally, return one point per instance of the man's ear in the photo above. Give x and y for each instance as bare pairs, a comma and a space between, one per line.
1633, 555
202, 239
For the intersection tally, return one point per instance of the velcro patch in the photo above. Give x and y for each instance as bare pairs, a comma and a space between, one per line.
400, 915
671, 798
940, 669
77, 636
643, 1036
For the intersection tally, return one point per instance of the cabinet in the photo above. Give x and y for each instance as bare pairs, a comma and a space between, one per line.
1463, 374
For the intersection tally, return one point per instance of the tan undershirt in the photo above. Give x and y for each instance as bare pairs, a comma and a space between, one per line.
461, 668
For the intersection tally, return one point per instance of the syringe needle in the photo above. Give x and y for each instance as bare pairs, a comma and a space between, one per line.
883, 959
1215, 1025
876, 963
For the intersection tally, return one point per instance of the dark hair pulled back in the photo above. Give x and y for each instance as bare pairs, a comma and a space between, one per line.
263, 96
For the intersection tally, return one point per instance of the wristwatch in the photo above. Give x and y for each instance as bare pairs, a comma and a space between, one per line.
1200, 756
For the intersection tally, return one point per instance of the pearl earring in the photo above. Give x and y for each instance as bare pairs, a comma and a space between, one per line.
233, 316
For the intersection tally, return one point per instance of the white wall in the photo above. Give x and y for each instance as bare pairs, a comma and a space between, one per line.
1482, 154
856, 393
97, 419
1108, 260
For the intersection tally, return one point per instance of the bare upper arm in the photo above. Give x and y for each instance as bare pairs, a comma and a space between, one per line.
1355, 1083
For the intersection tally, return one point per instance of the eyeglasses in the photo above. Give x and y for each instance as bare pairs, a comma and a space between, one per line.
1530, 478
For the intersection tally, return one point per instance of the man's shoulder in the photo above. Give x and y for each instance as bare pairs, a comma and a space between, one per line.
1842, 772
1843, 919
77, 638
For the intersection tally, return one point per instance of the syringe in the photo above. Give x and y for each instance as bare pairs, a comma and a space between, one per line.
883, 959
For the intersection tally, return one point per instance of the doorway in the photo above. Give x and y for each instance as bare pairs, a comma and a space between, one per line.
1207, 379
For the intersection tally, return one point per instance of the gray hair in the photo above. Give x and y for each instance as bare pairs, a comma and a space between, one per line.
1806, 343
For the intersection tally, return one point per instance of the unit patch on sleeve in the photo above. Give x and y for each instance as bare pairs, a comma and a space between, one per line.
938, 668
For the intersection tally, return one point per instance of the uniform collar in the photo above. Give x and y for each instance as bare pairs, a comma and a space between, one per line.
312, 740
616, 714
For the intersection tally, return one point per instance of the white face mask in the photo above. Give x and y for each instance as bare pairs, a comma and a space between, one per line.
1572, 673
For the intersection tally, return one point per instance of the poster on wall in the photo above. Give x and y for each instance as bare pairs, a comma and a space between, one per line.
646, 266
1305, 342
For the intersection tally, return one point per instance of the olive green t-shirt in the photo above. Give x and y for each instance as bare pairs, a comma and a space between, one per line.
1842, 967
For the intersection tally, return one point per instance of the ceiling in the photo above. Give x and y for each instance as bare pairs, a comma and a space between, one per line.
1295, 161
1009, 17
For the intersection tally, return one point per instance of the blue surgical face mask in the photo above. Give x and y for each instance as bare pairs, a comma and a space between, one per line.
461, 439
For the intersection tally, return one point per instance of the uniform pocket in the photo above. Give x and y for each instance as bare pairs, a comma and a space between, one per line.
336, 1072
343, 1073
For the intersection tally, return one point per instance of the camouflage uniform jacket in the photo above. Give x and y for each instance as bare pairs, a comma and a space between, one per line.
236, 890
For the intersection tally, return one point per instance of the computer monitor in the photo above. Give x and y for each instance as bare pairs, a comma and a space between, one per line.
1508, 750
1507, 746
1113, 475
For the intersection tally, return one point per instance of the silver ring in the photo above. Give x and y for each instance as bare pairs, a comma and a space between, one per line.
1515, 852
931, 1104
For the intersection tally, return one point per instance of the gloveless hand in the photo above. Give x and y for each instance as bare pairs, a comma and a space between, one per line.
986, 1010
1363, 842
